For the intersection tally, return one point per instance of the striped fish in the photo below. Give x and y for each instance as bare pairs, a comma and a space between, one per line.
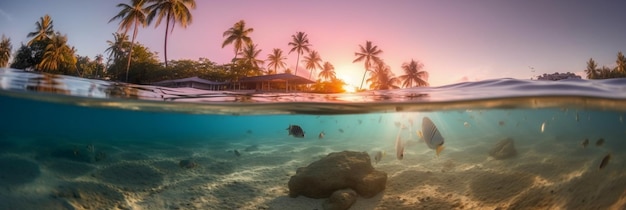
431, 135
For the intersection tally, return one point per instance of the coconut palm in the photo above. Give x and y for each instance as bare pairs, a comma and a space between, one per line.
300, 44
328, 71
368, 54
382, 78
413, 74
312, 62
238, 36
620, 67
276, 59
592, 69
117, 47
249, 58
5, 51
174, 11
57, 54
131, 16
99, 59
44, 30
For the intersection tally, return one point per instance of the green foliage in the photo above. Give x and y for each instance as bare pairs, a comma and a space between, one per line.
382, 78
299, 44
143, 61
5, 51
238, 36
173, 12
593, 72
413, 74
368, 54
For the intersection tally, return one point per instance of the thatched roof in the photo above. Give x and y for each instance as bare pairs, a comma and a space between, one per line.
189, 79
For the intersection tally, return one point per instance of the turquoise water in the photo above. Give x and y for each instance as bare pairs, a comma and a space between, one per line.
71, 143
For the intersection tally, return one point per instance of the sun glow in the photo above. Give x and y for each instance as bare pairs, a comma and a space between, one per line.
349, 88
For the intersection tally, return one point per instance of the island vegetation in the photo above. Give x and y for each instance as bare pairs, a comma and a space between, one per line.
130, 61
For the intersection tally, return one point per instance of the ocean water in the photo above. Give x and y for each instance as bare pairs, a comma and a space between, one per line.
73, 143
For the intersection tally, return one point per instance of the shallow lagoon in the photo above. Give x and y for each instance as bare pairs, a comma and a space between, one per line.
70, 143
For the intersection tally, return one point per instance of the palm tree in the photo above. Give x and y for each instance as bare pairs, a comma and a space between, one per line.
300, 44
592, 69
117, 47
44, 30
238, 36
328, 71
174, 11
413, 73
382, 78
57, 53
313, 62
276, 59
99, 59
368, 54
248, 59
5, 51
621, 63
131, 16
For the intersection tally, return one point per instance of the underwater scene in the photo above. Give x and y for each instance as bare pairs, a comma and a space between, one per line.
73, 143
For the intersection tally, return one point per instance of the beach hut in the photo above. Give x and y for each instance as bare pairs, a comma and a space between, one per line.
274, 82
192, 82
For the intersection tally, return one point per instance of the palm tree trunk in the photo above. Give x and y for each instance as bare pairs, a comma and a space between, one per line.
130, 53
167, 26
297, 62
362, 80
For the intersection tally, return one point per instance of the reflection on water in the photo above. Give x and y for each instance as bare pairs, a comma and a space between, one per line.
509, 144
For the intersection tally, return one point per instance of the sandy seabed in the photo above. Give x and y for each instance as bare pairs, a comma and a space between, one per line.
144, 175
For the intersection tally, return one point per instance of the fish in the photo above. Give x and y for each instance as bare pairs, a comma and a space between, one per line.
237, 153
466, 124
501, 123
605, 161
399, 146
585, 143
431, 135
543, 126
340, 130
321, 136
90, 148
379, 156
600, 142
577, 117
295, 131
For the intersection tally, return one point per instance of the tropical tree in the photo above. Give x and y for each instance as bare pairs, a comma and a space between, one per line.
99, 59
238, 36
620, 63
413, 74
58, 56
276, 60
174, 11
382, 78
249, 59
368, 54
312, 62
44, 30
131, 16
118, 47
328, 71
5, 51
300, 44
592, 69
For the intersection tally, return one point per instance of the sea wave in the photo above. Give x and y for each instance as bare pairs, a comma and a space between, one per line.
495, 93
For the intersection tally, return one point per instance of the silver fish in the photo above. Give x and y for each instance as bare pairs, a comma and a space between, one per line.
295, 131
431, 135
399, 146
379, 156
321, 136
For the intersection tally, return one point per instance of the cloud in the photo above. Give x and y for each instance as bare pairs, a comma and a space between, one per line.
6, 15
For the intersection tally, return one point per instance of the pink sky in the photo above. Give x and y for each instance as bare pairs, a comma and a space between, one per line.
456, 40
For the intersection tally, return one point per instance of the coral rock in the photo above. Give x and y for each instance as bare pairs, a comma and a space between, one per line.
338, 170
503, 149
340, 200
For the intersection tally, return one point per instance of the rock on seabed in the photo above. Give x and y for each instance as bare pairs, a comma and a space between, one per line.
338, 170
